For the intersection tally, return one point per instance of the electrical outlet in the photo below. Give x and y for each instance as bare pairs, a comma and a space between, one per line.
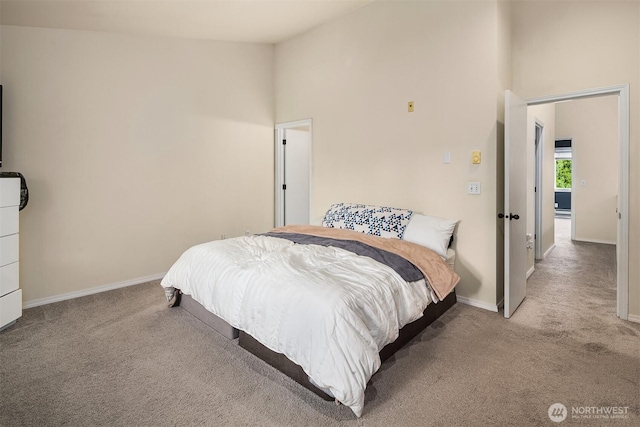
223, 236
247, 232
473, 187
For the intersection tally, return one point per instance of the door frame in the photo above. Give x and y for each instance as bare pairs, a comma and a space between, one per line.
622, 243
279, 165
539, 166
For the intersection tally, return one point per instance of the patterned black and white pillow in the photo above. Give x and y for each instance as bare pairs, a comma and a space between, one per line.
380, 221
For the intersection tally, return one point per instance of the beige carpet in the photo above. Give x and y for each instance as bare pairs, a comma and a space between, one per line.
122, 358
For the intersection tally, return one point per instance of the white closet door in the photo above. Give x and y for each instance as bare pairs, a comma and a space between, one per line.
297, 155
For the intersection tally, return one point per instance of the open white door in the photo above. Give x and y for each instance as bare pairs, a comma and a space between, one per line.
515, 202
293, 172
297, 153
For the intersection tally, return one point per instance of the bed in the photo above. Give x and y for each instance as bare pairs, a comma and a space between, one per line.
324, 304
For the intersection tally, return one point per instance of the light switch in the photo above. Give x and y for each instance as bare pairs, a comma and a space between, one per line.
446, 158
476, 157
410, 107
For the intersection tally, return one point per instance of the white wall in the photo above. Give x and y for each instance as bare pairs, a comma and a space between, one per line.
544, 115
561, 47
354, 77
592, 125
134, 148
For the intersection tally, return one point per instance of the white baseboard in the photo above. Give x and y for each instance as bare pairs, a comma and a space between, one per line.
604, 242
633, 318
531, 270
476, 303
549, 251
91, 291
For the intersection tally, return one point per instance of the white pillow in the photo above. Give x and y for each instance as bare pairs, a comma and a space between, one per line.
431, 232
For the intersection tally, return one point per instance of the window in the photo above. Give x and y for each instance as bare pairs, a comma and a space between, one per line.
563, 157
563, 173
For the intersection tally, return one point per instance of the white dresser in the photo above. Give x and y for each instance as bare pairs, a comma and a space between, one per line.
10, 294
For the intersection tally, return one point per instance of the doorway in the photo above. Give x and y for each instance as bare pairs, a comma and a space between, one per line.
622, 198
293, 172
563, 157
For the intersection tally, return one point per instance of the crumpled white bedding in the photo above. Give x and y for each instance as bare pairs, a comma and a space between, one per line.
328, 310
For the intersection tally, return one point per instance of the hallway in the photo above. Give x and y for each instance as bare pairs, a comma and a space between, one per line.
572, 293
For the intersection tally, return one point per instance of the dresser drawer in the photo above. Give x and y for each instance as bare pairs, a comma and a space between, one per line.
10, 307
8, 220
9, 192
8, 249
9, 278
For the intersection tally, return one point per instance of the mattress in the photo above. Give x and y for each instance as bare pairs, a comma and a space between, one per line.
228, 331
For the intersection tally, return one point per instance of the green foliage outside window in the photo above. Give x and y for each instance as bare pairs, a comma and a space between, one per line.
563, 173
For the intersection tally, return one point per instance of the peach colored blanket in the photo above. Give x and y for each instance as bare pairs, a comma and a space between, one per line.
441, 278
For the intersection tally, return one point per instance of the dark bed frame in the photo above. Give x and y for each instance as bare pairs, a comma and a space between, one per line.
286, 366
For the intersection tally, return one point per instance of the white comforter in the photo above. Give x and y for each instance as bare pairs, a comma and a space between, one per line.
328, 310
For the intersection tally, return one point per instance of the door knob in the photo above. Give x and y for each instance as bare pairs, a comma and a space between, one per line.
516, 216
